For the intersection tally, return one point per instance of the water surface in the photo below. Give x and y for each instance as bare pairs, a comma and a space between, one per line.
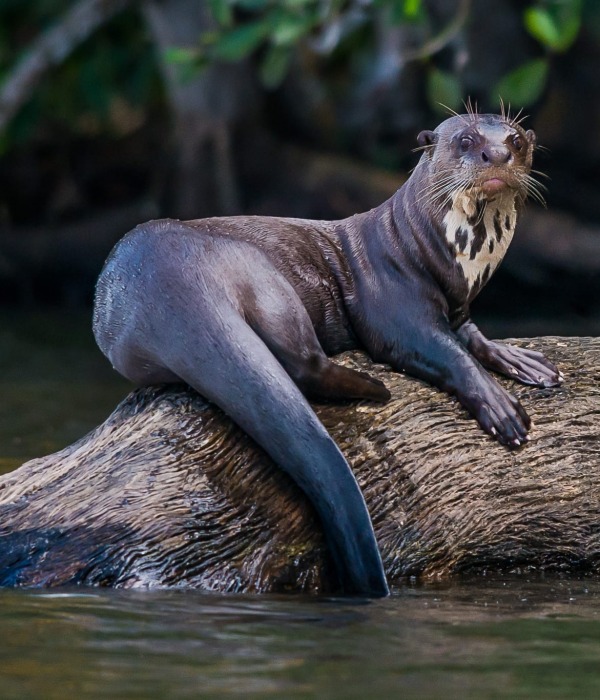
55, 384
479, 639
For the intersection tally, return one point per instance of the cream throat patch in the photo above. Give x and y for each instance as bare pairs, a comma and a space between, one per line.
479, 233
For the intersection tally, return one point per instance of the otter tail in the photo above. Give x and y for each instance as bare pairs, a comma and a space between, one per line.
251, 386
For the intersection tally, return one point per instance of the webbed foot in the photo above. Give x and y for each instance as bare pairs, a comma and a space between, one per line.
526, 366
498, 412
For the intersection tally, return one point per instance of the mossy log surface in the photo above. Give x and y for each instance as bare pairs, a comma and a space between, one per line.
169, 492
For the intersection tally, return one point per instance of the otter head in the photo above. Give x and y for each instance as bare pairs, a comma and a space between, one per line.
473, 176
481, 156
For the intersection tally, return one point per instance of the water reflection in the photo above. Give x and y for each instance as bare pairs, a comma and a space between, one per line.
500, 638
55, 384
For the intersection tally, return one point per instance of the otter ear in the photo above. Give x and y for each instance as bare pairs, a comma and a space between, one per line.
531, 137
427, 138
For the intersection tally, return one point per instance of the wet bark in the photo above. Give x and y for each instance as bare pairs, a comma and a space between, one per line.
168, 492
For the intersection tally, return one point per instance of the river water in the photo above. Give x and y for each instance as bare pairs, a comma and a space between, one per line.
515, 637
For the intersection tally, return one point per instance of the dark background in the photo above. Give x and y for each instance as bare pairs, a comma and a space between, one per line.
302, 108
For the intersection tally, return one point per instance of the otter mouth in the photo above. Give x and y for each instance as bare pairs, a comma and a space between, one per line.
494, 186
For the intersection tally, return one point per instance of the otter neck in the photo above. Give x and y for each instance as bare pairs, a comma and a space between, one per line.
478, 233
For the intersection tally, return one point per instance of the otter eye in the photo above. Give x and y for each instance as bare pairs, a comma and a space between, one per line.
465, 143
517, 143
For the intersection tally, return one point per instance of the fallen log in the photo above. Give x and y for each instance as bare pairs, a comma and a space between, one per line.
168, 492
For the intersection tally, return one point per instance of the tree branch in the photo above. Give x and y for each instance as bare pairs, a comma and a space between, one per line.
168, 492
443, 38
50, 49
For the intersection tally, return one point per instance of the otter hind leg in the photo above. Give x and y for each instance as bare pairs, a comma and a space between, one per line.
288, 332
331, 381
319, 377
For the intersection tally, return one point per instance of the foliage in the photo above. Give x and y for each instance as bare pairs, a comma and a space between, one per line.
525, 84
274, 30
104, 84
100, 88
277, 27
555, 24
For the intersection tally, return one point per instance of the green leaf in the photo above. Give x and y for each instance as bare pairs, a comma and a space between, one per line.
274, 66
523, 86
189, 62
288, 29
540, 24
443, 90
412, 8
402, 11
180, 55
557, 25
241, 41
222, 12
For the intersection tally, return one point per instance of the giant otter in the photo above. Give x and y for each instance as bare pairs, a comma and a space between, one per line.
247, 309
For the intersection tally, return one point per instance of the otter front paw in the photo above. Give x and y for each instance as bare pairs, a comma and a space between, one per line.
499, 413
526, 366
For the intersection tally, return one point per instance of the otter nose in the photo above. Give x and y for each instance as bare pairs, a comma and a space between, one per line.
495, 155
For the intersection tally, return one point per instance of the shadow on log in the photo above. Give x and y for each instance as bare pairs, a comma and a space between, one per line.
168, 492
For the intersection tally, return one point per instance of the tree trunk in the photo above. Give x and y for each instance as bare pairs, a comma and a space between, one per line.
205, 109
169, 492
